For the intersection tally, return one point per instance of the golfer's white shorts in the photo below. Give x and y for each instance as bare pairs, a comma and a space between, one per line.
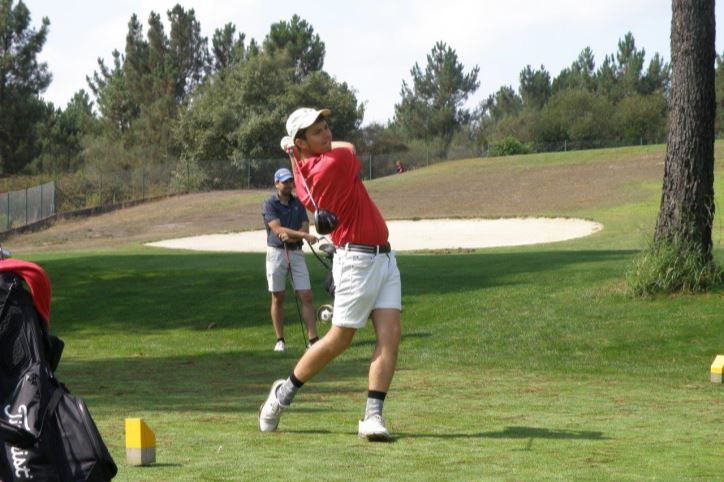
364, 282
276, 269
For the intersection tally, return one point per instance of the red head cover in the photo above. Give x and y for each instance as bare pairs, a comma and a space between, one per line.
36, 279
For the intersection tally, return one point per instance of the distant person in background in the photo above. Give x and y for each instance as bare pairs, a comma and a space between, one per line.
287, 227
399, 167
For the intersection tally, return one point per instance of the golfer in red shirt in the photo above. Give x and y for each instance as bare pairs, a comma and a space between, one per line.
365, 269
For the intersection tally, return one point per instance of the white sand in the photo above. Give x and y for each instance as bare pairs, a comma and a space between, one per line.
423, 234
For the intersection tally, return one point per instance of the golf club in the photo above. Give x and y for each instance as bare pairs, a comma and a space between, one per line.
327, 248
325, 311
290, 277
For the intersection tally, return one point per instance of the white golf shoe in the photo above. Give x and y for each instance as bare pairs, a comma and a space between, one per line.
373, 429
271, 410
280, 346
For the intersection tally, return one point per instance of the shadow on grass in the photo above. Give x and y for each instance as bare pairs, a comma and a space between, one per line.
210, 383
370, 342
544, 433
529, 433
152, 292
466, 272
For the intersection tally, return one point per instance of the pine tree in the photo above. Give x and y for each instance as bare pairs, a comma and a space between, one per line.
297, 39
687, 203
22, 80
433, 108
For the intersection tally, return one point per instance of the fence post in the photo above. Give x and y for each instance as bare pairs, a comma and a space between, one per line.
248, 174
143, 182
7, 219
188, 177
41, 202
370, 167
565, 145
427, 156
26, 206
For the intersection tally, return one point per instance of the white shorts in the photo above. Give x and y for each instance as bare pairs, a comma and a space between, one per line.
364, 282
276, 269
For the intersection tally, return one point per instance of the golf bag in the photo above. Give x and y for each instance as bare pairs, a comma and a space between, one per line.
46, 434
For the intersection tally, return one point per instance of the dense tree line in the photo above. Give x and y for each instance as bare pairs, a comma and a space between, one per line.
622, 99
176, 95
166, 96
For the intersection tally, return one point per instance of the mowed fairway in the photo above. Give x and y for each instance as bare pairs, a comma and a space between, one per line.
515, 364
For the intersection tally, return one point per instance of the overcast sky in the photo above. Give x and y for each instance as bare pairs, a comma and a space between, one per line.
373, 44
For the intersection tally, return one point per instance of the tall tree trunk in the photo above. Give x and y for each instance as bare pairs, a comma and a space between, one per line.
687, 203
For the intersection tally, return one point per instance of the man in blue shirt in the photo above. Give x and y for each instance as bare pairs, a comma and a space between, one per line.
287, 227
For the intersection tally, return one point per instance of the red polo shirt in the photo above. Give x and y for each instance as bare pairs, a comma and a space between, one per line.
333, 179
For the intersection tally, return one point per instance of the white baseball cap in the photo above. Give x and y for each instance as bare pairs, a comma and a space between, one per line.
303, 118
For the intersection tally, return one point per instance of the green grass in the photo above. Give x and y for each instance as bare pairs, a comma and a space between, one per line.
515, 364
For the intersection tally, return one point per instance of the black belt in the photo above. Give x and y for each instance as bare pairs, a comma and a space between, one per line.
367, 248
290, 247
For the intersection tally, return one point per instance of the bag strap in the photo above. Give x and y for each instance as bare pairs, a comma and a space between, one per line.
54, 399
13, 285
52, 403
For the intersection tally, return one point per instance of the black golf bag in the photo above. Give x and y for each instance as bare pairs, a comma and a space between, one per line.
46, 434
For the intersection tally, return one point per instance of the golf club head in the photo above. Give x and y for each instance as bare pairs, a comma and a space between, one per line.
325, 221
328, 249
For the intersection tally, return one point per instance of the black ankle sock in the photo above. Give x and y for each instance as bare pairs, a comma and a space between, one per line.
375, 402
314, 340
280, 339
287, 390
295, 381
376, 395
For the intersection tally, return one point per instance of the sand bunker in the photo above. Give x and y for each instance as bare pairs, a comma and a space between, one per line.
422, 234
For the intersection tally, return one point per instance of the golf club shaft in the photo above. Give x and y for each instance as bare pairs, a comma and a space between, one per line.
314, 252
294, 292
293, 158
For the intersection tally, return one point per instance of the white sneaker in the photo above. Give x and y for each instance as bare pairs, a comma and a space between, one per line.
373, 429
271, 410
279, 346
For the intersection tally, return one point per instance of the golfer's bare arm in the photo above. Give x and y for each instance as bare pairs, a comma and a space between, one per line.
287, 234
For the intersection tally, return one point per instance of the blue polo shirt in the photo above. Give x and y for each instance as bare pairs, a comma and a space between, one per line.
291, 216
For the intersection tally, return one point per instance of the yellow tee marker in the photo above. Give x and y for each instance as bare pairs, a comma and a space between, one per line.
717, 368
140, 442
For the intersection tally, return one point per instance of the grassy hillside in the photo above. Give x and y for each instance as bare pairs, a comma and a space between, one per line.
620, 185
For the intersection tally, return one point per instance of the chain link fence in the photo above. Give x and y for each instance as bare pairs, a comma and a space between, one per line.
27, 206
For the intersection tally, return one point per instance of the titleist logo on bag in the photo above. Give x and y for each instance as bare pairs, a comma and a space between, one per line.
19, 456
